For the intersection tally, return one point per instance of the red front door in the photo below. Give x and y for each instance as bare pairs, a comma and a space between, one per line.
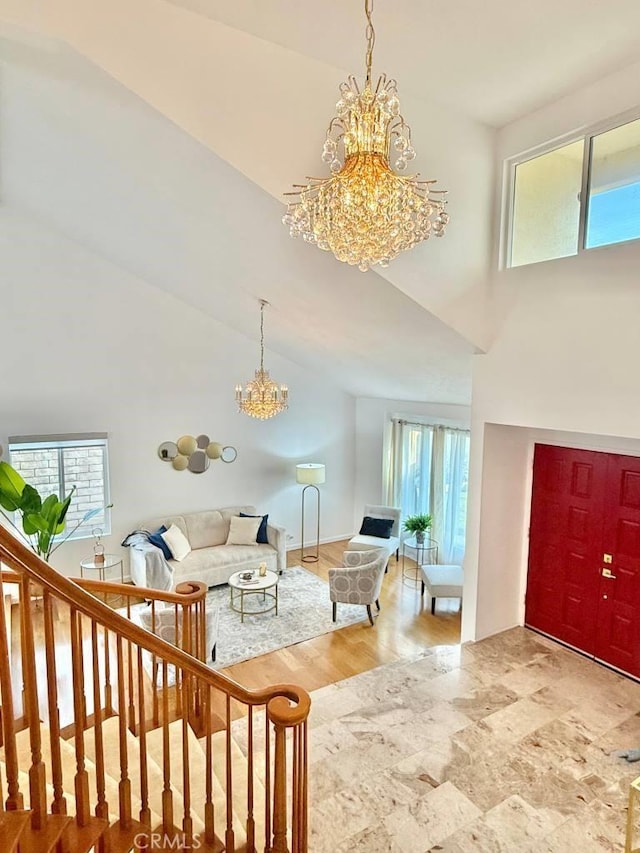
584, 506
618, 628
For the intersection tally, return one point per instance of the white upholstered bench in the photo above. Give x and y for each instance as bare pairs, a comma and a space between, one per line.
441, 582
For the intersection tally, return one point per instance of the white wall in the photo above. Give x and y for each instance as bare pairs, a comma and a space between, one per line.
564, 359
373, 430
206, 85
90, 347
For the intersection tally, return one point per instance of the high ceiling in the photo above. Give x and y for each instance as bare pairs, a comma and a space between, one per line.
162, 134
494, 60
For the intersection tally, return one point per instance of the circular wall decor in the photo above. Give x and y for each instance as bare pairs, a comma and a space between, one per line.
187, 445
180, 462
195, 454
228, 454
198, 462
214, 450
167, 451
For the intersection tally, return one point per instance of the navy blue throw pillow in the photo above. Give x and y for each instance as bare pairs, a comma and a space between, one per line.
261, 537
380, 527
156, 539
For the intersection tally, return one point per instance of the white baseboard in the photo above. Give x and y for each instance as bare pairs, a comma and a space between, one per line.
295, 546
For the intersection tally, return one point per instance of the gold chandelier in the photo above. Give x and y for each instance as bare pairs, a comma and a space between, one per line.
364, 212
262, 398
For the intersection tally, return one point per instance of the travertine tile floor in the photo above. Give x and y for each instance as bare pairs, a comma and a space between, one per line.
505, 745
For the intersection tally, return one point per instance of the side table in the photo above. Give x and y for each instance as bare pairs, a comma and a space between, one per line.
110, 561
426, 554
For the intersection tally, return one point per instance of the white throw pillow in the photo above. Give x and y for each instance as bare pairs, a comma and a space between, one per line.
177, 542
243, 531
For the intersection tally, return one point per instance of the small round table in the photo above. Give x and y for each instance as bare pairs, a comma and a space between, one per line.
426, 555
110, 561
267, 585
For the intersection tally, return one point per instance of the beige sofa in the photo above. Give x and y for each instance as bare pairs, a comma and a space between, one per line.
211, 560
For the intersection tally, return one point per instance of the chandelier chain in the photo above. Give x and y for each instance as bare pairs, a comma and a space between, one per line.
371, 37
262, 304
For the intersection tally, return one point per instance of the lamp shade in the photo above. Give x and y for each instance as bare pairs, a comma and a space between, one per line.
310, 473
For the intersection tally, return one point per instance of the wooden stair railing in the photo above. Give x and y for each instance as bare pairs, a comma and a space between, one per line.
114, 740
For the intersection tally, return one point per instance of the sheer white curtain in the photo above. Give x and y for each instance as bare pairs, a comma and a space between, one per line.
426, 472
452, 516
409, 467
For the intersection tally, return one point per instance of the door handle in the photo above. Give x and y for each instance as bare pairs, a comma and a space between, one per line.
606, 573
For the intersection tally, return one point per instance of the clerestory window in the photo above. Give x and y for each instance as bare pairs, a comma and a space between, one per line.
576, 196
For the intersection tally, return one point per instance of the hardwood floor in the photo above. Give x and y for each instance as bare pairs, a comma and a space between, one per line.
404, 627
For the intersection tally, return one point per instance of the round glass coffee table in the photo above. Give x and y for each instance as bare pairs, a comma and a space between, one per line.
266, 586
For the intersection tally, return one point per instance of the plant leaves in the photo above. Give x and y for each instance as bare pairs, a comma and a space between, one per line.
34, 523
31, 501
90, 513
64, 508
51, 510
11, 487
43, 545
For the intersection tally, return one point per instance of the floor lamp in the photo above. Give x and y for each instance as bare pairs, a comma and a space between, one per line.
311, 475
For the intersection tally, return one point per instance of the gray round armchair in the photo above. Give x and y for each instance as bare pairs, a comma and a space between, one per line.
359, 581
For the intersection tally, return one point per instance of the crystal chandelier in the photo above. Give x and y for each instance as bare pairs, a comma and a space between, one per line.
364, 212
262, 398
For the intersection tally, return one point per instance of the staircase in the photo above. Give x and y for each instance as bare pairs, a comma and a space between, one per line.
114, 740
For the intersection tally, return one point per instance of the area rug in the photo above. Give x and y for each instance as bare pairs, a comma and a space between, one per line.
304, 612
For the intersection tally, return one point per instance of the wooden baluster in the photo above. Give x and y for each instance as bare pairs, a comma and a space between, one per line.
229, 837
167, 795
154, 671
195, 620
280, 790
131, 714
81, 780
179, 635
145, 811
59, 804
186, 640
124, 787
83, 698
108, 693
102, 807
132, 707
209, 815
187, 822
251, 824
304, 781
37, 782
14, 800
267, 784
295, 829
299, 803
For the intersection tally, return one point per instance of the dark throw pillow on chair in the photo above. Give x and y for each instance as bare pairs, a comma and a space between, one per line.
380, 527
261, 537
156, 539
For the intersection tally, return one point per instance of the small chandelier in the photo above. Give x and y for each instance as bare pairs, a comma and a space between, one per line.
364, 212
262, 398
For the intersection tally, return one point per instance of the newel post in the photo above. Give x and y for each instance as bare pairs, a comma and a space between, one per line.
286, 714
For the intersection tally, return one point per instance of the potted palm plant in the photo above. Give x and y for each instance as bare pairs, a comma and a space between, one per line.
418, 525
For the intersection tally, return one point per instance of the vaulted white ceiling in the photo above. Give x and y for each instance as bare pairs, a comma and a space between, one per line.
495, 61
162, 133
